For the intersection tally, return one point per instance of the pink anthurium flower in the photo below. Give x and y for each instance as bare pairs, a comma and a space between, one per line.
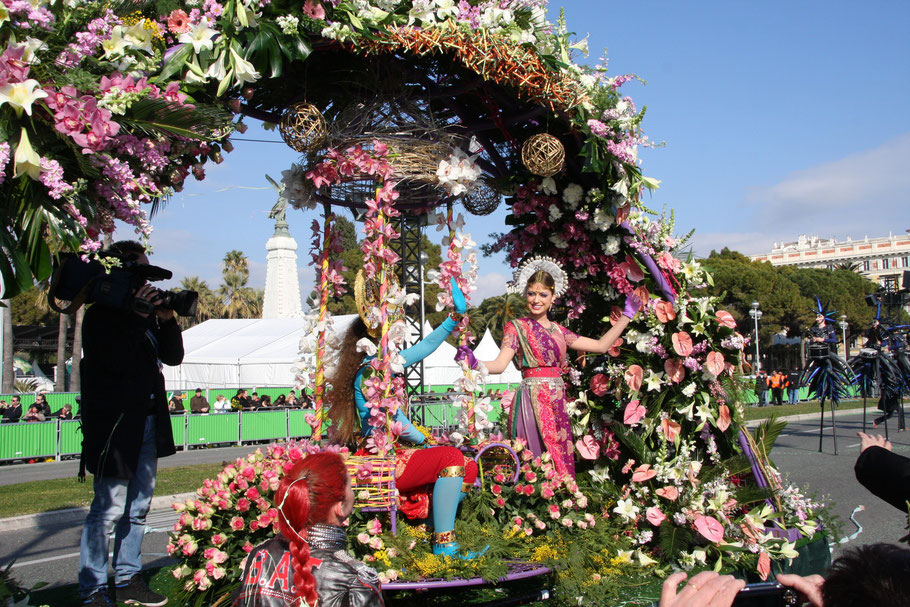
675, 370
723, 418
633, 413
670, 429
682, 343
715, 363
655, 516
643, 473
710, 528
633, 377
668, 493
726, 319
588, 447
664, 311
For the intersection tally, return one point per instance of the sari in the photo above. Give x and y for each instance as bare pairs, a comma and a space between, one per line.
538, 414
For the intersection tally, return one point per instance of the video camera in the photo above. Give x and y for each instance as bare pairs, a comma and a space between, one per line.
890, 298
81, 282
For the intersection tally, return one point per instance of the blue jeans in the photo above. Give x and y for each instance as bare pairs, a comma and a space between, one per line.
120, 506
793, 395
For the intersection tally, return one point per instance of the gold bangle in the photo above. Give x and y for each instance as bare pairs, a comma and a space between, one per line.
452, 472
446, 537
467, 487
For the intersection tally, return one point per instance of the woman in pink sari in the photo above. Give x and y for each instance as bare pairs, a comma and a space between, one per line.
539, 346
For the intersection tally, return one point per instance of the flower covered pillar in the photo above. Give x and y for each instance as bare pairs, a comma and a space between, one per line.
319, 383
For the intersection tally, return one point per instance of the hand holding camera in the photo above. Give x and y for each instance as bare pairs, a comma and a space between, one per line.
148, 299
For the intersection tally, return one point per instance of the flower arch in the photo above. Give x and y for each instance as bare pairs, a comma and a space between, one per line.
104, 112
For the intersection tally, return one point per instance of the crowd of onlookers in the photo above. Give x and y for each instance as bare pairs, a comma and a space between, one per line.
40, 411
243, 400
769, 389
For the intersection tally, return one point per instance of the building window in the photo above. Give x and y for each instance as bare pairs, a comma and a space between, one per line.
866, 267
907, 262
885, 263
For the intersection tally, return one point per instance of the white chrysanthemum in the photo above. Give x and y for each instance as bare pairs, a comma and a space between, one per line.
573, 194
559, 241
554, 212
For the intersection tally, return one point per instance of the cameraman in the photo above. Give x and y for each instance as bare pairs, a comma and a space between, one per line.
126, 428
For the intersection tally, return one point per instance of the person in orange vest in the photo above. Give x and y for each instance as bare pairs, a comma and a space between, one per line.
776, 382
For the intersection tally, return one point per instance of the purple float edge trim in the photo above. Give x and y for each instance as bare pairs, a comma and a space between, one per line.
523, 572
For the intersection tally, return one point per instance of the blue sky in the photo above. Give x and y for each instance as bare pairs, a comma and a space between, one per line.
779, 118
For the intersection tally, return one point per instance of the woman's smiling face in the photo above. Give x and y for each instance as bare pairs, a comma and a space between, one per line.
538, 298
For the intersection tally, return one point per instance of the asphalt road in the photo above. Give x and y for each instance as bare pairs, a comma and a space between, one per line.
50, 553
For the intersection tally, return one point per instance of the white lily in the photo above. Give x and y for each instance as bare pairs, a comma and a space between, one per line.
627, 509
116, 45
21, 95
243, 69
200, 37
27, 161
653, 380
139, 37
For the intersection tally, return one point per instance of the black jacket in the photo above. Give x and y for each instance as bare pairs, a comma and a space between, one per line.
885, 474
268, 579
12, 414
122, 385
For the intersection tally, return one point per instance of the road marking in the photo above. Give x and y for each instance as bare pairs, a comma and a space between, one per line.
45, 560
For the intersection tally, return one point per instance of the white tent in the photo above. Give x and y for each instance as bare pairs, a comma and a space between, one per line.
233, 353
488, 349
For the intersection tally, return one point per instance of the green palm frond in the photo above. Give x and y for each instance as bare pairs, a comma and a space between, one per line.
156, 116
766, 434
673, 539
752, 494
632, 441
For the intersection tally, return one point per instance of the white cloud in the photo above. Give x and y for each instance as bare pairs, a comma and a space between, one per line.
489, 285
863, 194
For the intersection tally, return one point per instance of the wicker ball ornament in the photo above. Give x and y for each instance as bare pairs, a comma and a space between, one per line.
543, 154
303, 127
483, 199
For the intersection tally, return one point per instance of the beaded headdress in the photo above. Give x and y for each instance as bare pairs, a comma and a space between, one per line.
530, 266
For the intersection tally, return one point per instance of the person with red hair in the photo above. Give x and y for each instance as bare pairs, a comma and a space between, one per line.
307, 563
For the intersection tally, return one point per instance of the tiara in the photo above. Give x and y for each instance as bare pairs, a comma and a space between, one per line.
527, 269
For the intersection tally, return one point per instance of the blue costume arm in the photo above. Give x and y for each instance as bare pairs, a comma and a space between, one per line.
830, 335
428, 344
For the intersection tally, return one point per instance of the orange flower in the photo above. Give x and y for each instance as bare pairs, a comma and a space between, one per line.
670, 429
664, 311
723, 418
633, 377
674, 369
668, 493
682, 343
764, 565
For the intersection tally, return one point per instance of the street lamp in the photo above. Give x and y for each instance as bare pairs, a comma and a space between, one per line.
755, 313
424, 258
843, 328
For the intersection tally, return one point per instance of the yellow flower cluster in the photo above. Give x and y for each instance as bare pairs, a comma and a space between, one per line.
147, 24
428, 565
543, 553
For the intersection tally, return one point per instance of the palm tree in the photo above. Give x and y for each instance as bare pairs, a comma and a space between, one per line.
237, 299
75, 377
849, 266
236, 262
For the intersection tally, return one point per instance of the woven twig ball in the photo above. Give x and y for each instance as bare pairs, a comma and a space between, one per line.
483, 199
303, 127
543, 154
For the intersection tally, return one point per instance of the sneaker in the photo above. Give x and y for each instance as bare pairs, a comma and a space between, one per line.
98, 599
137, 592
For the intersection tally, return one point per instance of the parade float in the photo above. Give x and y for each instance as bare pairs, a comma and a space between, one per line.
411, 113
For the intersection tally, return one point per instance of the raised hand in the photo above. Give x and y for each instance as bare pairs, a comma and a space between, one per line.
633, 305
464, 353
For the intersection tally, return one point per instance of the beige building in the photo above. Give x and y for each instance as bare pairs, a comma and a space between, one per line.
882, 260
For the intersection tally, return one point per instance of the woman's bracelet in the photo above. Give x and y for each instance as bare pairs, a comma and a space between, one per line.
456, 316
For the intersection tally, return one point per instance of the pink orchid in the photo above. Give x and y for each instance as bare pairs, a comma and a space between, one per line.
633, 413
655, 516
710, 528
682, 343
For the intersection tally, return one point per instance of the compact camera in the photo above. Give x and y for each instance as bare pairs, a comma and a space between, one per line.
766, 594
79, 282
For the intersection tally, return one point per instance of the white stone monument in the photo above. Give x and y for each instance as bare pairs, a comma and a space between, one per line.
282, 287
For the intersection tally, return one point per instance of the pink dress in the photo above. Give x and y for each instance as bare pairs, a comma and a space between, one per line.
538, 412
